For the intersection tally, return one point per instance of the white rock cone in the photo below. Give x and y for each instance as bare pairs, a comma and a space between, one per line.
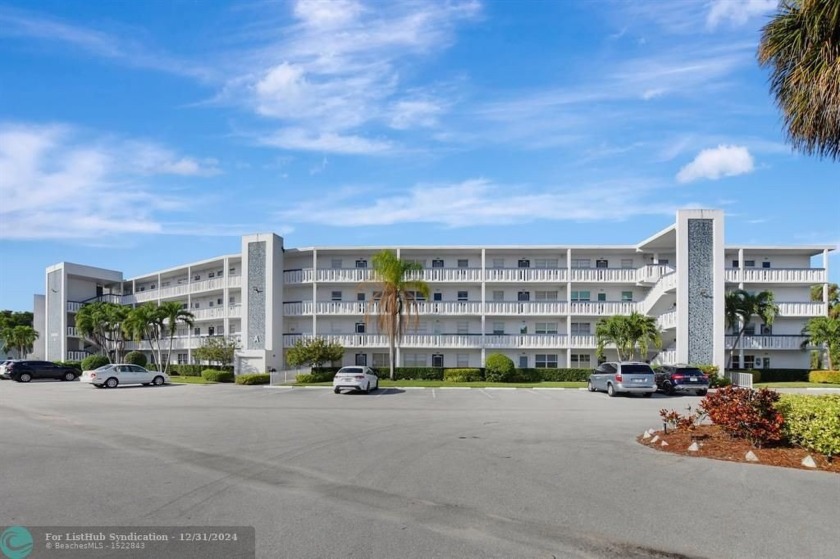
694, 447
808, 462
655, 439
664, 443
646, 435
751, 457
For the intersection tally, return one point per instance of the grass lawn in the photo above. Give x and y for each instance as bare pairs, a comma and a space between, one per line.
441, 384
795, 385
189, 380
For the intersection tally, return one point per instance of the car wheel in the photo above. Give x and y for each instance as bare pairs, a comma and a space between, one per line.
590, 387
702, 392
158, 380
98, 386
367, 388
24, 377
112, 382
337, 390
611, 391
68, 376
648, 394
668, 388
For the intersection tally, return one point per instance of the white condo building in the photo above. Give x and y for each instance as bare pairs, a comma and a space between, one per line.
536, 304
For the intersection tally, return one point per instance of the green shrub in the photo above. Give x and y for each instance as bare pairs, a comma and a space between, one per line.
812, 422
784, 375
214, 375
71, 364
136, 358
745, 414
193, 370
462, 375
92, 362
253, 379
831, 377
708, 369
499, 368
308, 378
719, 382
556, 375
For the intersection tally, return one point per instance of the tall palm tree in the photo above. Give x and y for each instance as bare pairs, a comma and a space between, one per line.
398, 297
801, 46
173, 313
741, 306
644, 332
833, 298
825, 331
146, 323
626, 333
101, 323
19, 338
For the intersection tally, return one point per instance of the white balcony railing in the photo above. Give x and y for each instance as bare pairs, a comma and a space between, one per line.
803, 309
235, 311
652, 272
666, 357
455, 341
602, 308
446, 275
183, 289
516, 275
526, 307
581, 341
665, 284
205, 314
766, 342
667, 321
616, 275
775, 275
72, 332
73, 306
441, 340
525, 341
77, 355
346, 340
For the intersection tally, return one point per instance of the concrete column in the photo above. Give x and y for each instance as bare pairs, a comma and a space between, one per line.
483, 302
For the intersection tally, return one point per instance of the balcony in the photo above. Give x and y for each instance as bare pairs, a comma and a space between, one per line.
179, 342
518, 275
804, 309
766, 342
73, 333
666, 357
441, 341
651, 273
346, 340
525, 341
181, 291
74, 306
613, 275
667, 320
455, 341
582, 341
446, 275
77, 355
602, 308
526, 308
207, 314
807, 276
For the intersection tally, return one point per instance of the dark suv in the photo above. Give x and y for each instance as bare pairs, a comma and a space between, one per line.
681, 378
24, 371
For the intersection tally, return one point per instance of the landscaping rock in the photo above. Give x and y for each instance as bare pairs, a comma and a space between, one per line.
694, 447
664, 443
751, 457
655, 439
646, 435
808, 462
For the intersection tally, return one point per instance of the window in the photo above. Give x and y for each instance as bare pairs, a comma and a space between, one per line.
361, 359
380, 360
335, 263
463, 327
182, 359
437, 263
601, 263
219, 301
545, 295
545, 263
749, 361
361, 263
335, 296
220, 273
765, 363
498, 295
211, 330
196, 277
546, 328
183, 305
377, 295
421, 263
152, 286
626, 296
196, 305
498, 262
437, 296
462, 295
523, 263
626, 263
581, 328
546, 361
602, 297
736, 361
581, 360
749, 263
580, 295
232, 271
414, 359
360, 327
766, 330
523, 361
165, 284
232, 300
463, 263
523, 296
197, 330
749, 330
735, 263
765, 264
142, 289
418, 296
462, 360
498, 328
664, 261
211, 275
211, 303
360, 296
581, 263
437, 360
523, 328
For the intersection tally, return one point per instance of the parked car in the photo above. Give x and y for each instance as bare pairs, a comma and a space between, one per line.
25, 370
623, 377
115, 374
3, 367
357, 378
671, 379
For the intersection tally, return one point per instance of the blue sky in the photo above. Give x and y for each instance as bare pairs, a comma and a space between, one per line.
141, 135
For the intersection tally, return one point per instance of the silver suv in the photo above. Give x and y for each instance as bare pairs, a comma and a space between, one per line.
625, 376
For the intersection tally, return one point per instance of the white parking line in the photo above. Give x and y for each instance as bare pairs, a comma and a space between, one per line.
382, 392
455, 388
486, 393
499, 388
434, 394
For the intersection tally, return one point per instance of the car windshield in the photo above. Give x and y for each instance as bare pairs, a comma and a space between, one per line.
690, 372
636, 370
103, 368
350, 371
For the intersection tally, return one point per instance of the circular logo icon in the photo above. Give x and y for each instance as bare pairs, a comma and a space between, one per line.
16, 542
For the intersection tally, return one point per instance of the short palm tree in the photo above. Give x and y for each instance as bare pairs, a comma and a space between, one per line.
146, 323
741, 306
173, 313
21, 339
102, 324
644, 332
833, 298
801, 46
397, 304
825, 331
626, 333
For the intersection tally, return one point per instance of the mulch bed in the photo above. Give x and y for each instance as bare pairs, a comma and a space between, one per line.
715, 443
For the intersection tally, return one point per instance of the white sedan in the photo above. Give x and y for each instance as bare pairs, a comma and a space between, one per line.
115, 374
357, 378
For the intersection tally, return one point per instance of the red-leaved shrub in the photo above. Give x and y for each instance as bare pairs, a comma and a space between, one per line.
745, 414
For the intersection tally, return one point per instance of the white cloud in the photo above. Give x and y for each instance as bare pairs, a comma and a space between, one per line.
738, 12
56, 184
722, 161
478, 202
300, 139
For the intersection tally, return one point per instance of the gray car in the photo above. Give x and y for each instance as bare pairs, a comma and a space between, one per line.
614, 377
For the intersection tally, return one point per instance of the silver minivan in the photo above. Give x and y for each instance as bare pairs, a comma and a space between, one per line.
623, 377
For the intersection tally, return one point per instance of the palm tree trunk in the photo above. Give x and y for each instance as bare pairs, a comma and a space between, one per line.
169, 353
735, 346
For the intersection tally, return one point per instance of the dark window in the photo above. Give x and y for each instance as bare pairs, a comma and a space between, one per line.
601, 263
523, 296
735, 263
361, 263
463, 262
749, 263
360, 296
636, 370
765, 264
361, 359
462, 295
524, 263
437, 263
437, 296
437, 360
360, 327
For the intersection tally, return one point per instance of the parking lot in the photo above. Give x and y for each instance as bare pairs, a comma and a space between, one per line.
398, 473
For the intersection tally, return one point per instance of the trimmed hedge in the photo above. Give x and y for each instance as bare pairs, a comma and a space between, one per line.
812, 421
136, 358
499, 368
92, 362
320, 376
555, 375
214, 375
831, 377
462, 375
262, 378
194, 370
71, 364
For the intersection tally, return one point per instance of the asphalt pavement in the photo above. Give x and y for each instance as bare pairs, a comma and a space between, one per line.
414, 473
